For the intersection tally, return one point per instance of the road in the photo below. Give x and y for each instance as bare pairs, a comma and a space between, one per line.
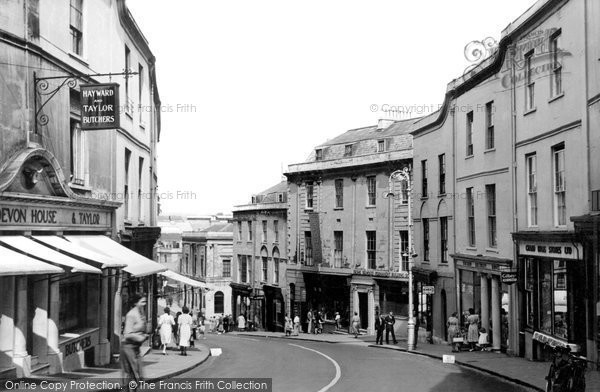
316, 366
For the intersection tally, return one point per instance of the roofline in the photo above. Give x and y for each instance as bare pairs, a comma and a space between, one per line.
260, 206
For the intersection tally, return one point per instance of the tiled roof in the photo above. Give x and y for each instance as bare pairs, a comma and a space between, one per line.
369, 133
219, 227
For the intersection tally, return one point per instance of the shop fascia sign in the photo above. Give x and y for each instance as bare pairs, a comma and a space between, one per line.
381, 274
549, 249
99, 106
51, 216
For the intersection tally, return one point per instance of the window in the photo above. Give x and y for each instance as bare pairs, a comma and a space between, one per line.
381, 146
76, 27
560, 208
339, 193
529, 83
338, 238
308, 248
532, 209
425, 239
276, 230
424, 189
249, 230
265, 269
371, 252
126, 186
490, 192
469, 134
371, 191
78, 154
141, 93
348, 150
404, 251
239, 224
219, 302
489, 123
442, 164
243, 269
276, 270
226, 268
556, 75
319, 154
280, 197
139, 195
73, 309
264, 231
309, 195
530, 279
128, 107
471, 216
404, 191
443, 239
195, 263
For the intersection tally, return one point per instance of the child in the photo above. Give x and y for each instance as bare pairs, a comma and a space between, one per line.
483, 340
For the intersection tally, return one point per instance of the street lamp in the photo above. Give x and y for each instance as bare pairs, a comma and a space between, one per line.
404, 175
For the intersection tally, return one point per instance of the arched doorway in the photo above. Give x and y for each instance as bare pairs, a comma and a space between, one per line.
219, 302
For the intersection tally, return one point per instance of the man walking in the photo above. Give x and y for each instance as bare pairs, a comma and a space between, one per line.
389, 327
379, 326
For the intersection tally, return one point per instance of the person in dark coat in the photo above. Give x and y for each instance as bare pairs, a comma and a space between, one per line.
379, 327
389, 327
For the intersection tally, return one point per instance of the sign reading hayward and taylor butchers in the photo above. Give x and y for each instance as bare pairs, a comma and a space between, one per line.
99, 106
18, 215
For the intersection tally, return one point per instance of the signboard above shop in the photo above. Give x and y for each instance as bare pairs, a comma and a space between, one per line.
99, 106
572, 251
39, 216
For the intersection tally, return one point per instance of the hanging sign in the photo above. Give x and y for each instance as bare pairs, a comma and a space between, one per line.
428, 290
509, 277
99, 106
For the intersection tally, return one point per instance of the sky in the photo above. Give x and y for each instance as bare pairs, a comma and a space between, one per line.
248, 88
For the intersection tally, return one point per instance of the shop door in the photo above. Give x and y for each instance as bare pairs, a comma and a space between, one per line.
363, 310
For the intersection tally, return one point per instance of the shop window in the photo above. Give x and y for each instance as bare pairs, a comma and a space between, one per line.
530, 275
219, 302
73, 304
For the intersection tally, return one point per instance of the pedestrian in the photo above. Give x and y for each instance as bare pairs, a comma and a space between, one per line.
134, 334
355, 324
185, 330
483, 341
379, 327
390, 320
226, 323
318, 323
452, 325
241, 323
194, 328
338, 321
176, 331
165, 327
296, 325
504, 330
309, 319
288, 325
473, 332
202, 325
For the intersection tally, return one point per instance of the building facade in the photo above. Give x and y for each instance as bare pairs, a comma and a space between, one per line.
348, 229
59, 198
259, 260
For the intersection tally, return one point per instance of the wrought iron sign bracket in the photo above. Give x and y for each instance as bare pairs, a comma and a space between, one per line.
44, 92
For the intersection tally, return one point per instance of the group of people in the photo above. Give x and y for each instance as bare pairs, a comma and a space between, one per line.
292, 327
477, 336
315, 322
185, 331
385, 323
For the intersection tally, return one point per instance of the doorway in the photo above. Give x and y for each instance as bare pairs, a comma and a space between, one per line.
444, 314
363, 310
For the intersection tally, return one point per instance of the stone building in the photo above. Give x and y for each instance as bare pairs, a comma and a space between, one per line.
259, 257
66, 192
346, 239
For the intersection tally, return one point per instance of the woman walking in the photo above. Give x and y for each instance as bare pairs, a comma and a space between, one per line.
452, 325
288, 325
355, 324
134, 334
296, 325
473, 333
185, 330
165, 325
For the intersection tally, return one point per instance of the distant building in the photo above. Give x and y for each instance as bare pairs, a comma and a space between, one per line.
259, 255
347, 240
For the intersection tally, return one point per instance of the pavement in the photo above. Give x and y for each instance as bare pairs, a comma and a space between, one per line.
530, 374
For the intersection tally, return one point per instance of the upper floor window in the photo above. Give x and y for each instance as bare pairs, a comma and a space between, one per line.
371, 191
424, 188
404, 191
308, 254
490, 192
226, 268
532, 205
276, 230
348, 150
140, 183
339, 193
141, 93
556, 76
470, 217
78, 154
76, 27
239, 225
309, 194
529, 83
371, 250
265, 269
560, 186
249, 230
469, 134
264, 231
243, 268
319, 154
128, 103
425, 239
443, 239
442, 164
380, 145
280, 197
404, 251
275, 270
126, 185
338, 237
489, 123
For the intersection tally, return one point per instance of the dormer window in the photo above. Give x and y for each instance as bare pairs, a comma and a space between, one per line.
380, 145
319, 154
348, 150
280, 197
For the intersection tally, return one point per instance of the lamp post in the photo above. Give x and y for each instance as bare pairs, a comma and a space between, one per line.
404, 175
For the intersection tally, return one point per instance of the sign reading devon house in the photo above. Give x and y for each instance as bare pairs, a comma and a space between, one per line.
99, 106
13, 215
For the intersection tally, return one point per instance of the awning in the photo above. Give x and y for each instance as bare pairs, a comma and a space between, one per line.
184, 279
14, 263
37, 250
137, 265
71, 249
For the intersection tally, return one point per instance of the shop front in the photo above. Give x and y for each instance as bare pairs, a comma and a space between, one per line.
480, 290
552, 284
328, 294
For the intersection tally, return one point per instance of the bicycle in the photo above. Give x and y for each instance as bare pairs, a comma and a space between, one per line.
567, 370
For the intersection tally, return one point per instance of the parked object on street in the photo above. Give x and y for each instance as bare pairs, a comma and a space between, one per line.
134, 334
165, 327
567, 370
185, 330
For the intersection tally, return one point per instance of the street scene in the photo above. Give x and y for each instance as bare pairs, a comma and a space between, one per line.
285, 196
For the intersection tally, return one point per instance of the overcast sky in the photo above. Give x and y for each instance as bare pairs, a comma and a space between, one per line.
260, 83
